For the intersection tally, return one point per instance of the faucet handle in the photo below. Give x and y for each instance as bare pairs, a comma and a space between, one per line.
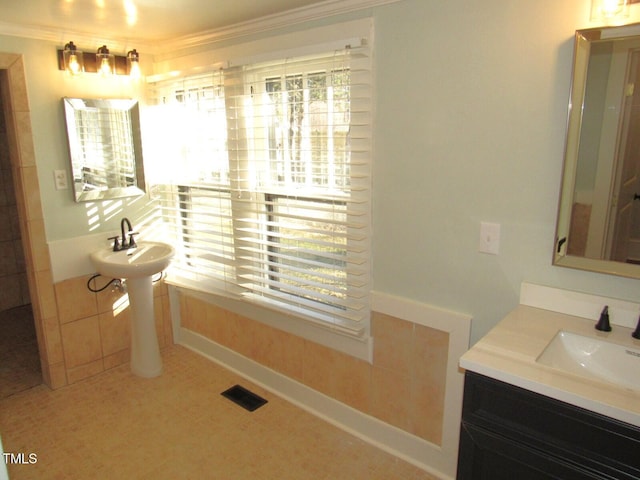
116, 243
636, 332
603, 323
132, 242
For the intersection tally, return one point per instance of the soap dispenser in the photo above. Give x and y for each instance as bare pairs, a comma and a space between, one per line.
603, 324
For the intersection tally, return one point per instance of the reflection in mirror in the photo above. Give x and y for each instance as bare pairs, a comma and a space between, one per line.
598, 225
105, 148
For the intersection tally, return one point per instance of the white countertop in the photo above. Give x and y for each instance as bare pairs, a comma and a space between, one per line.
509, 351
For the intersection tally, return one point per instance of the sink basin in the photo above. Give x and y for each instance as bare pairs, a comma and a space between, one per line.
593, 358
146, 259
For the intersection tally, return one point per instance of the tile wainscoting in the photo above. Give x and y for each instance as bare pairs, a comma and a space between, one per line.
93, 329
407, 400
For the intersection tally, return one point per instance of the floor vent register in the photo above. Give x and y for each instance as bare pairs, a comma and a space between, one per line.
243, 397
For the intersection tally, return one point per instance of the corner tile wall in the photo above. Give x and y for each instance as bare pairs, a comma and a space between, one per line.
14, 290
404, 386
16, 109
95, 332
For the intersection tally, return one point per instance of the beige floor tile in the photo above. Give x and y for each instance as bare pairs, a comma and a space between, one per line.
178, 426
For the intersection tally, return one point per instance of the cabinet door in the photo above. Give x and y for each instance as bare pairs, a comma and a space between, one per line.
485, 455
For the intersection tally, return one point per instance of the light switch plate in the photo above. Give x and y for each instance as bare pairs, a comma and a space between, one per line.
489, 238
60, 177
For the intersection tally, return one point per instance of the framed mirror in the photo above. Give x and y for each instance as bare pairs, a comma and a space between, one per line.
598, 225
105, 148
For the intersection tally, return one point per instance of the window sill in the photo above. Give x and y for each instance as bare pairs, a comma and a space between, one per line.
357, 345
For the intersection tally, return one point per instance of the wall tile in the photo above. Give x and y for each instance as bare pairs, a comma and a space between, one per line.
39, 249
117, 359
31, 192
10, 292
85, 371
404, 387
393, 338
18, 85
25, 186
220, 326
74, 299
111, 298
53, 340
391, 400
319, 364
166, 316
81, 342
56, 375
194, 313
115, 331
25, 138
158, 314
44, 294
286, 354
353, 383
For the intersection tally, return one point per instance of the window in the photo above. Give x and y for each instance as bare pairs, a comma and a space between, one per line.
271, 202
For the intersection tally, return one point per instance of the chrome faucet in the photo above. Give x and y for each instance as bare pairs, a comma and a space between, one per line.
124, 243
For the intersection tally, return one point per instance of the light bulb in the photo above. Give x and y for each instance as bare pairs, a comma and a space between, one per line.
74, 66
135, 73
133, 59
611, 8
105, 68
105, 59
73, 60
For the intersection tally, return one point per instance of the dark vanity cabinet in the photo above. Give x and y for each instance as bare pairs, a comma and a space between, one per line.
514, 434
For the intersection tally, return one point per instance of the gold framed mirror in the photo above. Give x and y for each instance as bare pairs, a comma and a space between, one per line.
598, 224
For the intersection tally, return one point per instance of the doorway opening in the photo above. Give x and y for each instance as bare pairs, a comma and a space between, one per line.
19, 355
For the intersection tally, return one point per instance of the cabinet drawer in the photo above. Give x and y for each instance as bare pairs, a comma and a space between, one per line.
491, 456
557, 428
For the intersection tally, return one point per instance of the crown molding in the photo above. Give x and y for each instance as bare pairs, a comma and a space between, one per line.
62, 36
271, 22
317, 11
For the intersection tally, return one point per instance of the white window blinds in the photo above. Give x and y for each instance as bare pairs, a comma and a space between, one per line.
281, 214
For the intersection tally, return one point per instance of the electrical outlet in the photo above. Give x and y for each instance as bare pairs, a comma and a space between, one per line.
60, 177
489, 238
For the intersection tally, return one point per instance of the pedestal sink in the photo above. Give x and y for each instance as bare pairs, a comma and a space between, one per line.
136, 266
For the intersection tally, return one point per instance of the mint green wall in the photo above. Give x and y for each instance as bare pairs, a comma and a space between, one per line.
471, 111
471, 115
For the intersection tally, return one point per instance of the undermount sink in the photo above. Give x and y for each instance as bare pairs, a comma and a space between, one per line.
146, 259
593, 358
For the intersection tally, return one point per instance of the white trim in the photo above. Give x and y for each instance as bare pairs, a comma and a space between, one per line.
264, 24
585, 305
458, 326
384, 436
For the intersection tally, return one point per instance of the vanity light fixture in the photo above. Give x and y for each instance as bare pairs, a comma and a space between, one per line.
609, 10
102, 62
73, 59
